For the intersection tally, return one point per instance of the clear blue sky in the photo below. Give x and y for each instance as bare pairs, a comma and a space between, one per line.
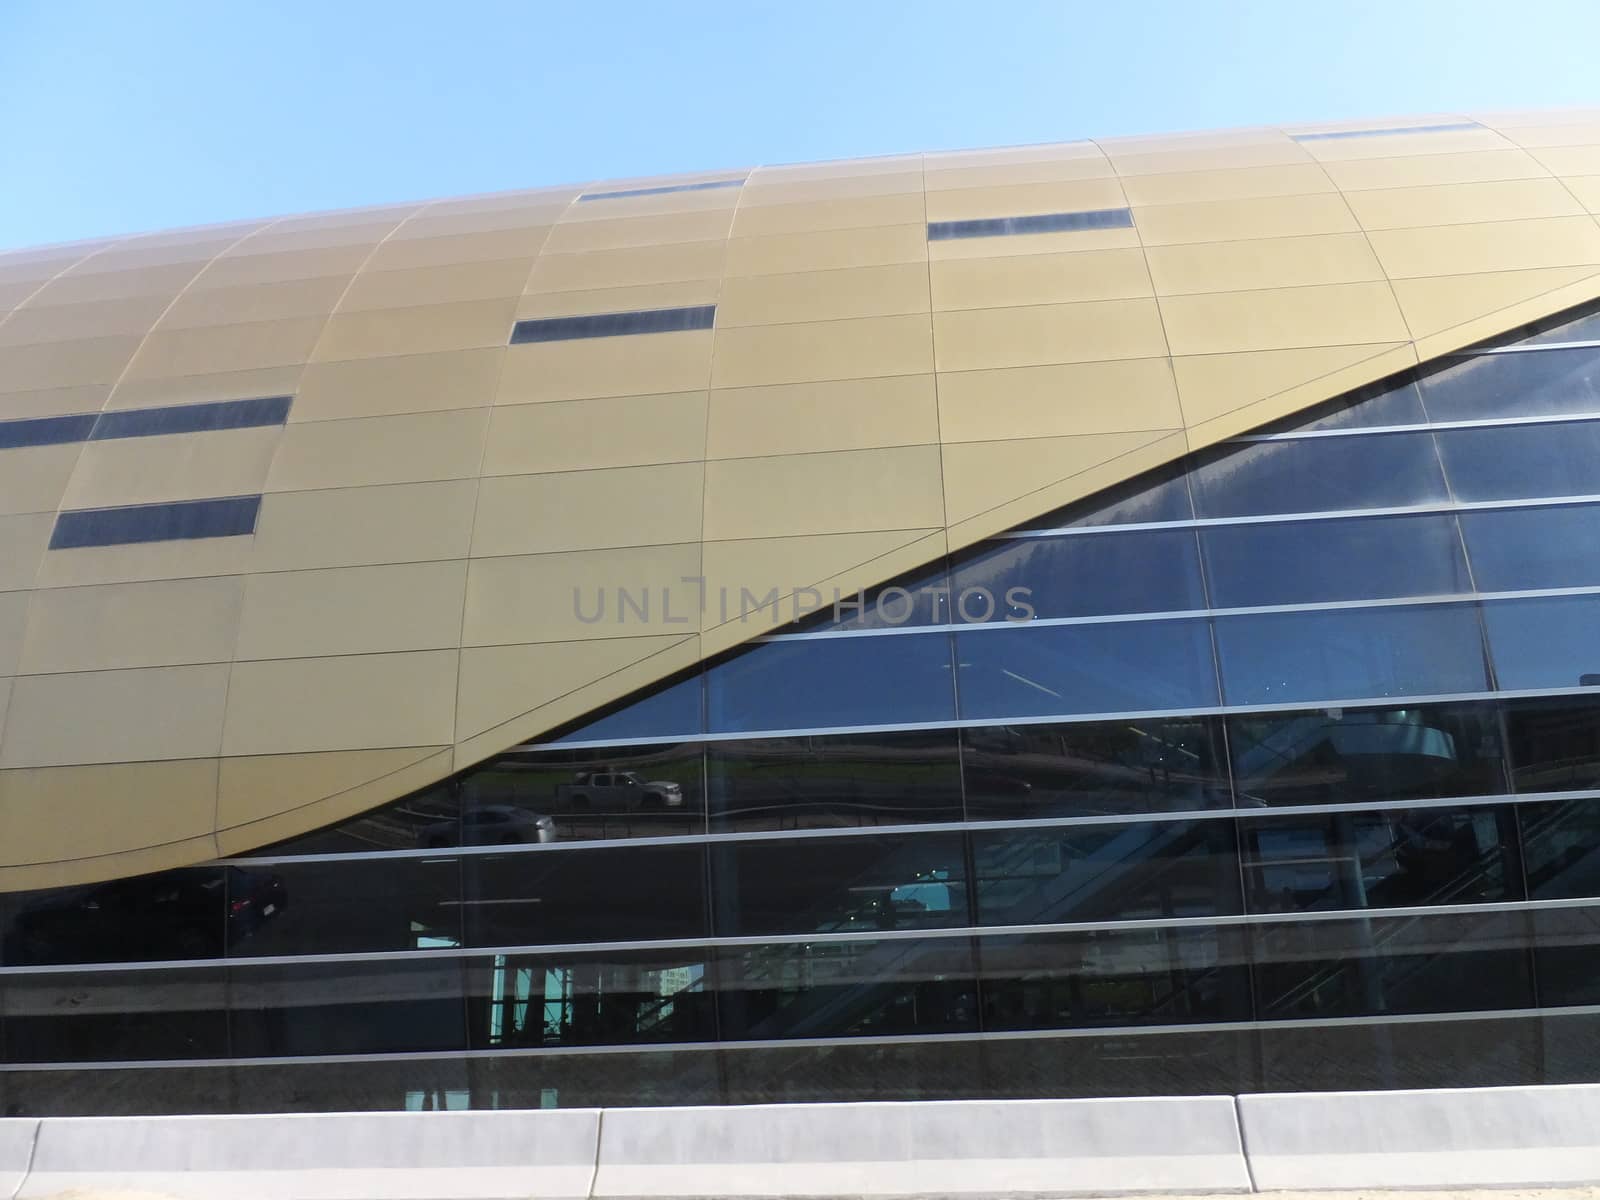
124, 115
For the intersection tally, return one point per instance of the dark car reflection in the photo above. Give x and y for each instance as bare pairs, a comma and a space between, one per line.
192, 913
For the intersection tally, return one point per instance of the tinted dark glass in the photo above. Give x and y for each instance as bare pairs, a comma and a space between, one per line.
115, 1016
1548, 383
547, 897
1333, 756
426, 818
1561, 845
1114, 977
839, 884
1554, 744
183, 520
1515, 462
853, 989
191, 418
1357, 559
1517, 548
1159, 495
46, 431
834, 780
1567, 955
831, 682
1309, 861
344, 906
1549, 642
1105, 872
1383, 1055
347, 1008
1272, 658
1411, 964
1329, 474
673, 711
1079, 576
939, 1070
179, 914
589, 1000
532, 796
1104, 218
710, 185
1396, 404
1065, 669
613, 324
1092, 768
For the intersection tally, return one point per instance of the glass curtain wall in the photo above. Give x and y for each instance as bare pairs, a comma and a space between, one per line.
1276, 769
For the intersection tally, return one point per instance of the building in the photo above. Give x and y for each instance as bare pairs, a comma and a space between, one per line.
1107, 618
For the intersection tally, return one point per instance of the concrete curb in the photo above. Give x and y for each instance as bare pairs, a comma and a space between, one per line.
17, 1136
1535, 1137
1483, 1137
1037, 1147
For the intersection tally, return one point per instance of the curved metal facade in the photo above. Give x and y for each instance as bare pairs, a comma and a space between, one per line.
295, 511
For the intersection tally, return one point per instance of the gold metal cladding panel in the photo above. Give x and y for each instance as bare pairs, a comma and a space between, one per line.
867, 400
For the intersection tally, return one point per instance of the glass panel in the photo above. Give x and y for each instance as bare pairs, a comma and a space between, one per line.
672, 711
589, 1000
1382, 470
833, 682
127, 1092
1080, 576
115, 1016
1567, 955
1514, 385
544, 897
424, 818
613, 324
179, 914
1561, 844
1552, 642
179, 521
1159, 495
344, 906
1115, 977
1151, 764
1101, 668
847, 990
834, 780
1516, 462
1516, 548
641, 1077
191, 418
1100, 218
1105, 872
1554, 743
1566, 328
408, 1085
1342, 755
1417, 1054
530, 796
922, 598
839, 884
1304, 862
1121, 1064
1276, 658
1399, 404
853, 1071
347, 1008
1361, 559
1412, 964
